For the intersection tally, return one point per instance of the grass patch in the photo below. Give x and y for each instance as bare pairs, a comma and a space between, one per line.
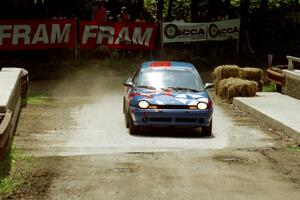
37, 99
294, 149
13, 169
269, 87
8, 185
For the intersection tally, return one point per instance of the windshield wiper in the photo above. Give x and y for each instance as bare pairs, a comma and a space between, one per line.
146, 86
183, 88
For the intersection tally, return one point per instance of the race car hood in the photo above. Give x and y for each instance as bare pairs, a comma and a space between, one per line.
168, 97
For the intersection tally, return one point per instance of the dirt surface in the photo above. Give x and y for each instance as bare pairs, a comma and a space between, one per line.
83, 150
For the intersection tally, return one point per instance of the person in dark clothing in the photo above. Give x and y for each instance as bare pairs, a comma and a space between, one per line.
99, 13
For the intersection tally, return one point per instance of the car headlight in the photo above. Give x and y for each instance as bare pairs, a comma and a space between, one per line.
143, 104
202, 106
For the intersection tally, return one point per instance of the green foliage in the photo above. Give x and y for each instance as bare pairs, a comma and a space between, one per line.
37, 100
272, 4
10, 178
254, 5
7, 185
235, 3
151, 7
269, 87
294, 149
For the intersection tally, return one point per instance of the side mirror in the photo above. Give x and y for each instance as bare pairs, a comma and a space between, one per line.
128, 84
209, 85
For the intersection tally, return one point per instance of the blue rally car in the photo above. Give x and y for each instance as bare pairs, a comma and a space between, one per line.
167, 94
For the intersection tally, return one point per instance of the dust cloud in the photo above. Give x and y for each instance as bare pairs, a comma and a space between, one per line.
91, 78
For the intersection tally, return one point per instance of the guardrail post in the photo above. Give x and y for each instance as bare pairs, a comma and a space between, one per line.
76, 38
290, 64
290, 61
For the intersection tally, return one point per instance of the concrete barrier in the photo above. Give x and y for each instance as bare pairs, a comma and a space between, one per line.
11, 92
5, 132
277, 110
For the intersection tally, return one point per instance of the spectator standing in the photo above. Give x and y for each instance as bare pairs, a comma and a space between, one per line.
124, 16
39, 10
179, 17
59, 15
84, 10
99, 13
151, 19
141, 18
109, 16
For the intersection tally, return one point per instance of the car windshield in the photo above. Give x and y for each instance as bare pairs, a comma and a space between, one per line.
177, 79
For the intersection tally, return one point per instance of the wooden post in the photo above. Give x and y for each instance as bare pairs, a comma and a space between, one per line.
75, 38
160, 7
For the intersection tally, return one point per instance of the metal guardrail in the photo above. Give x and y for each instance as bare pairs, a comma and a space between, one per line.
290, 61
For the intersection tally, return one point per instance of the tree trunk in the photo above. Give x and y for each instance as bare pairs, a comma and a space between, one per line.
194, 10
244, 44
160, 7
170, 8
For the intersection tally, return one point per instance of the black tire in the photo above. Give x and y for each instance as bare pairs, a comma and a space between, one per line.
124, 109
133, 129
126, 115
207, 130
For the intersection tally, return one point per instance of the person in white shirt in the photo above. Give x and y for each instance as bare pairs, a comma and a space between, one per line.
179, 17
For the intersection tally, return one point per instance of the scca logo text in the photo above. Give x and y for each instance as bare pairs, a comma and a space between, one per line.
171, 31
214, 31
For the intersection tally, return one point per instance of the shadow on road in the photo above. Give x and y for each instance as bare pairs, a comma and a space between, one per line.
173, 133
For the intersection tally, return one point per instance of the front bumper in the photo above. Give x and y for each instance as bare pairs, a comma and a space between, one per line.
170, 117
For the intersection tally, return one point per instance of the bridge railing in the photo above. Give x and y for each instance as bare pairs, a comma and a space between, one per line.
292, 59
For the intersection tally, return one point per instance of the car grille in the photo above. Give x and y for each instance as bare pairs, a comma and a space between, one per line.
179, 120
156, 119
186, 120
172, 107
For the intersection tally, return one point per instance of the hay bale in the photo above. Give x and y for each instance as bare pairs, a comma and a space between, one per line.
223, 86
251, 74
226, 71
236, 87
223, 72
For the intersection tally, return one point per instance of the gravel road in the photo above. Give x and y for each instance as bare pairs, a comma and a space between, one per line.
84, 151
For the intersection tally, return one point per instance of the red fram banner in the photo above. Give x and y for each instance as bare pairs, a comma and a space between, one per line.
117, 35
37, 34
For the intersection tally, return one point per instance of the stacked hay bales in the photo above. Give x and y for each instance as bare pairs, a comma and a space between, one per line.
252, 74
224, 72
236, 87
232, 81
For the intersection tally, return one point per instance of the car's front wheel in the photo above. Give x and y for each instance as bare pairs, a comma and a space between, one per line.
133, 129
207, 130
127, 117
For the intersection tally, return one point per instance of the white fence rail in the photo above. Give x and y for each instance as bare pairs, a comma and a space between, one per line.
290, 61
